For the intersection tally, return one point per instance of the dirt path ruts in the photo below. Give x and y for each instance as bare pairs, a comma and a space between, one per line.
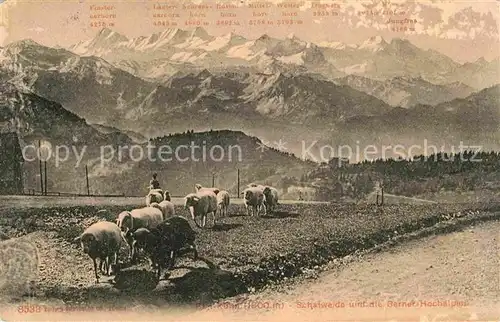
460, 269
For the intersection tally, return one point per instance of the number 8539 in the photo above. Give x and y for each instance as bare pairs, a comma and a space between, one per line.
23, 309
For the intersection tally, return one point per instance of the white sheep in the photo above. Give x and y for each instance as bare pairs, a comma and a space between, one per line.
254, 185
254, 200
201, 204
155, 195
198, 187
130, 221
166, 207
271, 198
223, 200
156, 191
101, 240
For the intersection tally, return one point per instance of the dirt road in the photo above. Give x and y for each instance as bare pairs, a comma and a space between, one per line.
417, 281
9, 202
453, 277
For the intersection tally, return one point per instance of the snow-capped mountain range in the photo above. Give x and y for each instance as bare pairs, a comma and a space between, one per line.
285, 90
164, 54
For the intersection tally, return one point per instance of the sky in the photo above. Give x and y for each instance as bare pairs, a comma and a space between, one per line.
463, 30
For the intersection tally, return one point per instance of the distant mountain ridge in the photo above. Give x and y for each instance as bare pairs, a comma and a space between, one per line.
282, 93
33, 118
203, 99
67, 78
172, 50
136, 137
407, 91
378, 59
248, 154
474, 120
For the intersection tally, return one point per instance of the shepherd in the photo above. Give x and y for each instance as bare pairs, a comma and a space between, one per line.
154, 184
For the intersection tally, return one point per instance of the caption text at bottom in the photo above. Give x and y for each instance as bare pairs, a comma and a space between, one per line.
259, 305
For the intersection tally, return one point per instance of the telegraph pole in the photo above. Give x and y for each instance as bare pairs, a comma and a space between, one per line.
40, 166
45, 167
238, 184
213, 179
87, 179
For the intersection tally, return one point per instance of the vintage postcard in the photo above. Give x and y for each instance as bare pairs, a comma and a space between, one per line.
315, 160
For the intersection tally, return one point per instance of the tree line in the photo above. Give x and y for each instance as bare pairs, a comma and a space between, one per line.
465, 171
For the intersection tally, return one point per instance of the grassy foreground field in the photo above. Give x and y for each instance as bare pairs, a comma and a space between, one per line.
241, 253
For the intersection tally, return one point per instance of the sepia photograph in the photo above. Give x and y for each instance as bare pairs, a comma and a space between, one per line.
244, 160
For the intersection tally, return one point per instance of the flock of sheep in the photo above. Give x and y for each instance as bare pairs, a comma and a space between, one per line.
159, 232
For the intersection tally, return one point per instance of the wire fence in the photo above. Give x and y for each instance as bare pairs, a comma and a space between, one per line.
234, 189
34, 192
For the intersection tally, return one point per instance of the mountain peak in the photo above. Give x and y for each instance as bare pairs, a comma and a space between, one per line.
199, 32
233, 37
406, 79
109, 36
400, 42
375, 43
105, 31
456, 84
481, 61
264, 37
335, 45
169, 30
204, 74
24, 43
377, 40
169, 33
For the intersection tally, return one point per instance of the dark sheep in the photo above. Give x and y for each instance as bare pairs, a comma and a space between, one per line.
163, 242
